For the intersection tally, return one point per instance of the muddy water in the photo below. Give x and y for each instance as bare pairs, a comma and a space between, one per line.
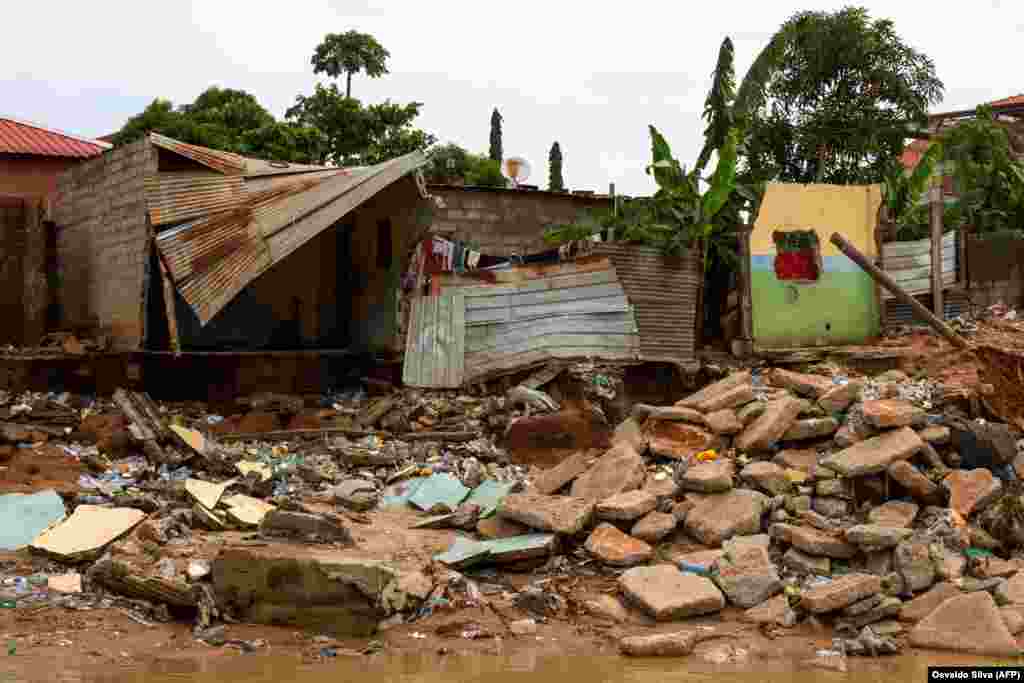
424, 668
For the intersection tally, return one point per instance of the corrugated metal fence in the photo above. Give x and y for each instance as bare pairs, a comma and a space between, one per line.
910, 264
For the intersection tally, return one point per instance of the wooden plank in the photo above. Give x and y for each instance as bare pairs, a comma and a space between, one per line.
457, 358
937, 248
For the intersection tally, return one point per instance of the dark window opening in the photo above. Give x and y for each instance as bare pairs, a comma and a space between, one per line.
385, 250
797, 255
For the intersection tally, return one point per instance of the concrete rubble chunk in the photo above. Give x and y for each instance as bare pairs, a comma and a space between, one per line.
936, 435
966, 623
747, 576
767, 429
800, 561
887, 608
773, 611
1014, 590
813, 428
971, 490
553, 479
679, 440
913, 562
814, 386
919, 486
924, 604
876, 537
719, 387
805, 460
654, 526
724, 422
630, 433
666, 594
676, 644
840, 593
620, 469
558, 514
303, 525
874, 455
707, 477
848, 434
813, 541
626, 506
617, 549
739, 542
768, 477
892, 413
839, 398
668, 414
662, 489
732, 398
895, 513
722, 516
497, 527
750, 412
85, 534
607, 607
829, 506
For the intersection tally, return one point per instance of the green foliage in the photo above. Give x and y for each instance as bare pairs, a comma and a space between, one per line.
718, 105
349, 53
447, 162
496, 150
555, 181
903, 192
484, 172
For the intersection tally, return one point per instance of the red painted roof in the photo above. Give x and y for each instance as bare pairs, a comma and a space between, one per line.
22, 137
1012, 101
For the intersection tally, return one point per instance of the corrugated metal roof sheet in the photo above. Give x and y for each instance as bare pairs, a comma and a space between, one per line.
174, 197
214, 258
224, 162
909, 264
23, 137
435, 345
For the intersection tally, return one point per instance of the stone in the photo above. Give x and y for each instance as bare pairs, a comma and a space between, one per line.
767, 429
739, 542
831, 507
892, 413
1014, 590
768, 477
805, 460
284, 523
707, 477
951, 565
553, 479
984, 444
773, 611
919, 486
681, 509
626, 506
887, 608
750, 412
818, 520
703, 558
665, 489
1013, 617
617, 549
797, 504
734, 397
676, 644
839, 398
847, 435
630, 434
679, 440
913, 561
665, 593
814, 428
654, 526
719, 387
558, 514
722, 516
523, 627
878, 562
494, 527
989, 567
747, 576
799, 561
936, 435
813, 541
895, 513
971, 490
814, 386
837, 488
620, 469
643, 412
966, 623
723, 422
607, 607
840, 593
876, 537
924, 604
874, 455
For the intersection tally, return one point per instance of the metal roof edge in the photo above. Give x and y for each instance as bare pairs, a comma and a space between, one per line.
55, 131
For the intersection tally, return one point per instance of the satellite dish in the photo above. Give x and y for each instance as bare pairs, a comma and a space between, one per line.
516, 169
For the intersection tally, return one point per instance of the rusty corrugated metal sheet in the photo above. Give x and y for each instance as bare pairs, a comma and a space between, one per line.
174, 197
23, 137
435, 344
909, 264
213, 259
223, 162
663, 292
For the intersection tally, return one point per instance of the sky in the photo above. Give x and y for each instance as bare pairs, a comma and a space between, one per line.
589, 75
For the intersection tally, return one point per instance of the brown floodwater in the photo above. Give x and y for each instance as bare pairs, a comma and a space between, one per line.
429, 668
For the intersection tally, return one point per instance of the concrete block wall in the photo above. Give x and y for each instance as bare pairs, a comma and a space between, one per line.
13, 212
102, 243
505, 222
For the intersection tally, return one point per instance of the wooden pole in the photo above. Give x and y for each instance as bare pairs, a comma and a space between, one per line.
881, 278
936, 224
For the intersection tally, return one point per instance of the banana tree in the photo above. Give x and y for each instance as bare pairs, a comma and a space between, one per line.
902, 192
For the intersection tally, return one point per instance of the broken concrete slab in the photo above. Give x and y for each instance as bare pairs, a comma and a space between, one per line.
247, 511
707, 477
723, 422
676, 644
813, 386
971, 490
874, 455
607, 607
24, 516
721, 516
553, 479
679, 440
466, 552
966, 623
617, 549
767, 429
805, 460
747, 576
839, 398
620, 469
626, 506
669, 414
654, 526
289, 524
892, 414
924, 604
813, 541
774, 611
665, 593
871, 537
733, 380
208, 519
558, 514
895, 513
812, 428
920, 487
87, 532
488, 495
913, 561
768, 477
439, 489
262, 469
498, 527
206, 493
124, 579
840, 593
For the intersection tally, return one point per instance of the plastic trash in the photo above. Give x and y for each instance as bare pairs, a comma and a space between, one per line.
693, 568
840, 380
709, 455
214, 419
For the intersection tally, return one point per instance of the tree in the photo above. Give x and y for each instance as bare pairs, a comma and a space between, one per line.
447, 162
496, 151
831, 97
555, 182
349, 53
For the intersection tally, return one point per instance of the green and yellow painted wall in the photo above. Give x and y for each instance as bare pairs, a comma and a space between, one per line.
839, 307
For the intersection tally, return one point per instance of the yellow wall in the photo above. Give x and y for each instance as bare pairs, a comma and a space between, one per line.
850, 210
